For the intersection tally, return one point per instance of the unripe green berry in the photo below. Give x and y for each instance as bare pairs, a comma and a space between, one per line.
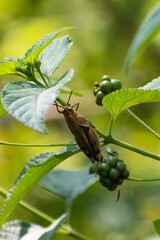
105, 77
95, 90
104, 169
96, 84
121, 166
113, 161
114, 174
94, 168
99, 97
115, 84
105, 87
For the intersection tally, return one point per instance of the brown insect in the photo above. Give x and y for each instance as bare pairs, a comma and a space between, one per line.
83, 131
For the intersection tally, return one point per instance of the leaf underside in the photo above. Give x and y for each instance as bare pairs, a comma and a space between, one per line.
20, 230
54, 54
29, 102
68, 184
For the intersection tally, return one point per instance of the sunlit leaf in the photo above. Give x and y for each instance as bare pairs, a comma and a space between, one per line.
20, 230
35, 169
29, 102
54, 54
7, 68
118, 101
68, 184
32, 55
156, 224
144, 35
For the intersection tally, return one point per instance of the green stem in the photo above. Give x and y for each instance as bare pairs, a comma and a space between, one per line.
35, 145
61, 101
142, 123
33, 79
101, 134
134, 149
42, 76
29, 208
143, 180
78, 235
110, 126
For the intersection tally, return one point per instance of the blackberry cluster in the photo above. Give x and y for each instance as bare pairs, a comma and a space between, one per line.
107, 86
112, 171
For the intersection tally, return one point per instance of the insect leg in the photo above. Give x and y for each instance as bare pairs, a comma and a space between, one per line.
77, 106
57, 107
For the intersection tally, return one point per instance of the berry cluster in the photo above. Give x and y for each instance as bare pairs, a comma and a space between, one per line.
107, 86
112, 171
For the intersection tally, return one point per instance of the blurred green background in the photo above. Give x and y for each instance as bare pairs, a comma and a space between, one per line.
103, 33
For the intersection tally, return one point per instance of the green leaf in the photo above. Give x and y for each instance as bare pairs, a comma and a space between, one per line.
32, 55
7, 68
144, 35
35, 169
2, 110
54, 54
68, 184
19, 230
29, 102
153, 85
118, 101
156, 224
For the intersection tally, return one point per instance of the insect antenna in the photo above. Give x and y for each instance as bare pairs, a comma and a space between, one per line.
68, 104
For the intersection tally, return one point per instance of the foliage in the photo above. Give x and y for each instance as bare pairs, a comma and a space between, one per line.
29, 100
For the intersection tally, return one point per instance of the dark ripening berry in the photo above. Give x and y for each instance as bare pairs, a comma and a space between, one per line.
115, 85
106, 182
99, 97
121, 166
112, 187
96, 84
112, 161
114, 174
105, 87
95, 90
119, 181
125, 174
105, 77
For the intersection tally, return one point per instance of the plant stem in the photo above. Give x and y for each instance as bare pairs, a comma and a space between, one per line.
143, 180
134, 149
101, 134
110, 126
33, 79
142, 123
78, 235
29, 208
42, 76
35, 145
61, 101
